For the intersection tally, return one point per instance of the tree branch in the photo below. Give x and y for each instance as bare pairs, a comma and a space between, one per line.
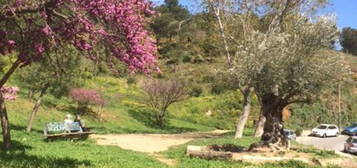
7, 75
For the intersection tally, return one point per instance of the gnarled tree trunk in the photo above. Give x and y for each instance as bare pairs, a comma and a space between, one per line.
160, 118
273, 126
273, 135
5, 125
245, 114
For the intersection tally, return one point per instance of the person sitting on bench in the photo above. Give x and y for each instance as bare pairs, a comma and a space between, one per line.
67, 123
80, 122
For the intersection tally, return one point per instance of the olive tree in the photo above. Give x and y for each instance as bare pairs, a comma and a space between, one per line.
292, 67
238, 21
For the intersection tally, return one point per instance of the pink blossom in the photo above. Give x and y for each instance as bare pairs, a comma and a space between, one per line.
119, 25
11, 42
39, 48
46, 30
86, 96
9, 93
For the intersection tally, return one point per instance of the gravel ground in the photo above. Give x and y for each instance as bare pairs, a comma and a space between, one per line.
151, 143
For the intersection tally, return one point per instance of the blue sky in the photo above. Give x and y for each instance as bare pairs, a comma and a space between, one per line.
346, 10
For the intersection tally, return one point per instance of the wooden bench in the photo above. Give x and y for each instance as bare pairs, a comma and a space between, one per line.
57, 130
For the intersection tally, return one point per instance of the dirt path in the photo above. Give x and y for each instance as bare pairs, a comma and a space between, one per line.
152, 143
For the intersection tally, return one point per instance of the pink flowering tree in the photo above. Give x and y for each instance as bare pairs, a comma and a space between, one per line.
86, 97
31, 28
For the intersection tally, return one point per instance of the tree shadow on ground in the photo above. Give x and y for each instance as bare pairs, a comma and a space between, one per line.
17, 157
16, 147
147, 117
23, 128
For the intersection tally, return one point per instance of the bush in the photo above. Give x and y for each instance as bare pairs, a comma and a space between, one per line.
298, 131
160, 94
85, 97
131, 80
217, 89
196, 91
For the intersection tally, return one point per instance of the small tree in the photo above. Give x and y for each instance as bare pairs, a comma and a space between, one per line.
348, 40
86, 97
55, 74
160, 94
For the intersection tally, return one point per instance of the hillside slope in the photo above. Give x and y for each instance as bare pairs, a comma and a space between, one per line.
123, 112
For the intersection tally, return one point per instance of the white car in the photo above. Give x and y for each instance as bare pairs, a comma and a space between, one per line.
325, 130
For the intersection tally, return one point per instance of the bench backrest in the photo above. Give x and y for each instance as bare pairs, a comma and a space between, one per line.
55, 127
58, 127
75, 127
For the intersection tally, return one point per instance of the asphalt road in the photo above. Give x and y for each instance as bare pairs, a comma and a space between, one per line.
329, 143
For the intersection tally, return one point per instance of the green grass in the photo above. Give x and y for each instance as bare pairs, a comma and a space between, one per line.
320, 153
29, 150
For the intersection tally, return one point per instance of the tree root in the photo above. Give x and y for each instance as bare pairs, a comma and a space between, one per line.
278, 146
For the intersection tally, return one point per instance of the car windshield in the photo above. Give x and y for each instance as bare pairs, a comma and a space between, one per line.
354, 140
322, 127
354, 125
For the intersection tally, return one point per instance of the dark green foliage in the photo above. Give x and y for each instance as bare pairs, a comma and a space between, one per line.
325, 110
165, 26
348, 40
298, 131
195, 91
217, 88
59, 72
131, 80
183, 37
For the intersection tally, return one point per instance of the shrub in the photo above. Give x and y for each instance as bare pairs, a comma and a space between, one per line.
160, 94
298, 131
196, 91
85, 97
131, 80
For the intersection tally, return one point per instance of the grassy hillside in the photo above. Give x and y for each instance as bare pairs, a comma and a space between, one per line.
352, 60
123, 112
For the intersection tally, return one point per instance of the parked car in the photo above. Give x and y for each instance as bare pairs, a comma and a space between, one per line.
351, 145
290, 134
325, 130
350, 130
